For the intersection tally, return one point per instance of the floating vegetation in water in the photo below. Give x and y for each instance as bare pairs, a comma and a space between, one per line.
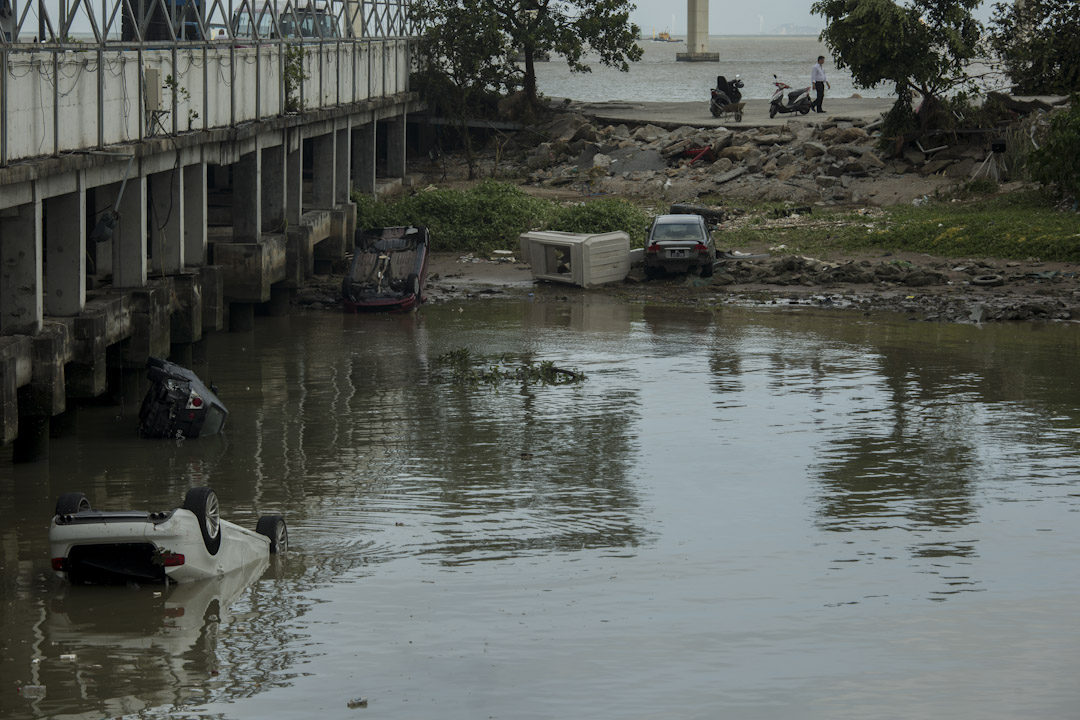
462, 367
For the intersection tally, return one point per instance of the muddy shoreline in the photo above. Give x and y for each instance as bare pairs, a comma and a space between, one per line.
827, 161
1030, 291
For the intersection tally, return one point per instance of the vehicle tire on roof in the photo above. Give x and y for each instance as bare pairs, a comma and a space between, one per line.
71, 503
273, 527
204, 503
412, 284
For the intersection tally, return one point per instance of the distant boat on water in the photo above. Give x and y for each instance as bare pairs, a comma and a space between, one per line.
663, 37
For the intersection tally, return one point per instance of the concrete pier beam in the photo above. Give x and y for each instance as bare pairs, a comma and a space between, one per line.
323, 173
195, 215
187, 315
129, 237
167, 221
294, 178
342, 156
16, 369
395, 146
212, 284
247, 198
363, 158
21, 305
697, 33
85, 376
65, 250
151, 324
274, 184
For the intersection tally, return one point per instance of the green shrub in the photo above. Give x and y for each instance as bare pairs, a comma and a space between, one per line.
1055, 163
604, 215
488, 216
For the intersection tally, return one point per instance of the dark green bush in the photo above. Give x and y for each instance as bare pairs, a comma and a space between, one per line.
488, 216
1055, 162
604, 215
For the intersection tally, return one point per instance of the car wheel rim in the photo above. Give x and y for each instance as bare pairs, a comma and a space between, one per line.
282, 538
213, 521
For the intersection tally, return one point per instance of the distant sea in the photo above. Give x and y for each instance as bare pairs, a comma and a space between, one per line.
659, 77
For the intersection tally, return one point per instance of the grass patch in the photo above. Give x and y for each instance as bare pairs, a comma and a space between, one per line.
1016, 226
491, 215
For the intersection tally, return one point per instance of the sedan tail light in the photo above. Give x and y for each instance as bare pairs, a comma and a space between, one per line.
654, 248
700, 247
172, 559
59, 564
195, 401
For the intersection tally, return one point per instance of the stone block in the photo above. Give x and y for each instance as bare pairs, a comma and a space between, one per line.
151, 309
51, 347
85, 376
249, 269
16, 368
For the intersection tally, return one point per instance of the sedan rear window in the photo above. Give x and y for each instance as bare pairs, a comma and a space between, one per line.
676, 232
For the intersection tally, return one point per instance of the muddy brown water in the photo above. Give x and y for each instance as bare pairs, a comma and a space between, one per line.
741, 513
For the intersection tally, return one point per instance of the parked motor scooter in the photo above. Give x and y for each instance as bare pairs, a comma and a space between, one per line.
796, 101
726, 92
726, 98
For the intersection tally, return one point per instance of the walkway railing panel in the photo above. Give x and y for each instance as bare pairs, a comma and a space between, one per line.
124, 70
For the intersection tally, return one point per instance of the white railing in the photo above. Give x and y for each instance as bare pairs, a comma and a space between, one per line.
87, 78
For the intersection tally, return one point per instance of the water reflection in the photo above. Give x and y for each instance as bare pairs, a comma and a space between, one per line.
129, 649
816, 477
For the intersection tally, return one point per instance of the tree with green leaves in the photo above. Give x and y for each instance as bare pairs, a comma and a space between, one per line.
1037, 41
533, 28
463, 66
921, 45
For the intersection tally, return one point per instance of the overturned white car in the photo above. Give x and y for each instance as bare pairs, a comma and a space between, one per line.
191, 542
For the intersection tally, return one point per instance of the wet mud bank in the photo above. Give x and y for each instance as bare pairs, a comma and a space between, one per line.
925, 288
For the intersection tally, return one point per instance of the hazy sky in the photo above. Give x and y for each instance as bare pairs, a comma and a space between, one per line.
727, 17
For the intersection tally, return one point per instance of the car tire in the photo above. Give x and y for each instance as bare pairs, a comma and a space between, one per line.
71, 503
412, 285
706, 270
203, 502
988, 280
273, 527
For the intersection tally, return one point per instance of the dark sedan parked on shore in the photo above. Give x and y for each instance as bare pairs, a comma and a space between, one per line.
679, 243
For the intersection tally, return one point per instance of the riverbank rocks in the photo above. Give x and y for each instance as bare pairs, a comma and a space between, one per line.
840, 160
799, 270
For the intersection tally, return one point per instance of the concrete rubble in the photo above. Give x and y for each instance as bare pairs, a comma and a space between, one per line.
801, 161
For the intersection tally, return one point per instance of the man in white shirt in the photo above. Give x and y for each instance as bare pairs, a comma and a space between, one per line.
817, 79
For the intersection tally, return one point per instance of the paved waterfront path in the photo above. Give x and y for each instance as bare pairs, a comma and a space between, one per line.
755, 114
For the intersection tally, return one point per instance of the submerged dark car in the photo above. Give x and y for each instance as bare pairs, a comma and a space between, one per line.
388, 270
178, 404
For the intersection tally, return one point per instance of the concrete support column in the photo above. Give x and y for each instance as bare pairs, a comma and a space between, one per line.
294, 179
323, 173
395, 146
363, 158
342, 155
65, 254
195, 216
21, 304
129, 237
274, 183
247, 198
167, 221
